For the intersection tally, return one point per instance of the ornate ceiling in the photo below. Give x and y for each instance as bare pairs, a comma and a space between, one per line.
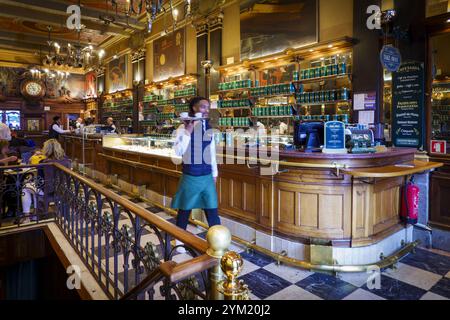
102, 4
23, 23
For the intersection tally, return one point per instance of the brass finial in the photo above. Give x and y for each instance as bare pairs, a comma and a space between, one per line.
232, 289
218, 238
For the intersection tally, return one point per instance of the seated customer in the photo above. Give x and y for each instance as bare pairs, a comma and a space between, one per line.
5, 132
18, 144
8, 197
37, 157
17, 141
53, 153
5, 157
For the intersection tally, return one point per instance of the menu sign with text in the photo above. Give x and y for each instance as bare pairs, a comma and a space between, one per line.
408, 105
334, 137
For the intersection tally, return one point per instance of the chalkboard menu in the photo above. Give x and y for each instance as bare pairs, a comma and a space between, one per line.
408, 105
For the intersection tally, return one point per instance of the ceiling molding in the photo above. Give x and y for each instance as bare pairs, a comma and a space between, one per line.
59, 8
18, 58
21, 46
119, 54
35, 39
44, 17
108, 43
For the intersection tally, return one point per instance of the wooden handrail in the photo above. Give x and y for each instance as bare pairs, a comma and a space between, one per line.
187, 238
394, 170
174, 272
153, 277
179, 271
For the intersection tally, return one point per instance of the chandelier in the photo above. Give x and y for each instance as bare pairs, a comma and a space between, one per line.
72, 55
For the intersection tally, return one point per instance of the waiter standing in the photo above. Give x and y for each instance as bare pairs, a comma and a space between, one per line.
55, 129
197, 188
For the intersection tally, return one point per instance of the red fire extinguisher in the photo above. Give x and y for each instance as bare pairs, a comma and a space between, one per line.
410, 203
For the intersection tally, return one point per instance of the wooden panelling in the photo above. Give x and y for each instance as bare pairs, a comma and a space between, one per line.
331, 212
309, 210
237, 195
361, 210
264, 202
440, 193
287, 207
298, 204
386, 202
440, 200
224, 192
249, 197
313, 211
171, 185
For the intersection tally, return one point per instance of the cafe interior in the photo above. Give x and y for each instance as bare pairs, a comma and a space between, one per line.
225, 149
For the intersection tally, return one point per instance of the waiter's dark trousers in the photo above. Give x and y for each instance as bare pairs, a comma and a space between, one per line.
212, 215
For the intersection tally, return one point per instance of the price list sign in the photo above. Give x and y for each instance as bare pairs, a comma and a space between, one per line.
408, 105
334, 137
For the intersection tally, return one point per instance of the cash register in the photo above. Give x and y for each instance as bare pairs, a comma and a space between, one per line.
361, 139
309, 135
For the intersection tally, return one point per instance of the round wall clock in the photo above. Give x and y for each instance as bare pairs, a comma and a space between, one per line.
33, 89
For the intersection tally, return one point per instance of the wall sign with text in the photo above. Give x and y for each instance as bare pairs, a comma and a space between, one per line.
334, 137
408, 105
391, 58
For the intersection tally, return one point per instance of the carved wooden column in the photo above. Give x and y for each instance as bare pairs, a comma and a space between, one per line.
100, 71
202, 55
138, 63
215, 24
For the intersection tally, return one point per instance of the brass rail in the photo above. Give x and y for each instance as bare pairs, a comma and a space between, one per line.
135, 164
333, 165
384, 263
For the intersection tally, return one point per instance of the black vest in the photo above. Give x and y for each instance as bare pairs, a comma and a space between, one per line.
194, 163
52, 134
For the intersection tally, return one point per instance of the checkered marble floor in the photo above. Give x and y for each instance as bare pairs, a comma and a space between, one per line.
424, 275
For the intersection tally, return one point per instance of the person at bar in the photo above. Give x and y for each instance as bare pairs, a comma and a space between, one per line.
5, 132
79, 124
111, 126
55, 129
197, 187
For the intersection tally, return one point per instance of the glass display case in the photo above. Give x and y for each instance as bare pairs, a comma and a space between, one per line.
157, 144
252, 138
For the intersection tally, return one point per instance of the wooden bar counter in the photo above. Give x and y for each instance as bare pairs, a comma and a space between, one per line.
343, 200
84, 151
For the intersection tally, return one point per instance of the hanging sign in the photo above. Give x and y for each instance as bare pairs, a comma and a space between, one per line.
408, 105
334, 137
391, 58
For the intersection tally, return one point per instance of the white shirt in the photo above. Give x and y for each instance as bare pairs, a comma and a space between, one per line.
283, 128
79, 128
5, 132
261, 129
59, 129
182, 141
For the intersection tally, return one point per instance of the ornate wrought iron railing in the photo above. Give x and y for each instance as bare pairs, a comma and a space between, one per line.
123, 243
23, 185
129, 250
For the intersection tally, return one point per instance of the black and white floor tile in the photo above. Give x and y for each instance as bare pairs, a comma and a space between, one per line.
423, 275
